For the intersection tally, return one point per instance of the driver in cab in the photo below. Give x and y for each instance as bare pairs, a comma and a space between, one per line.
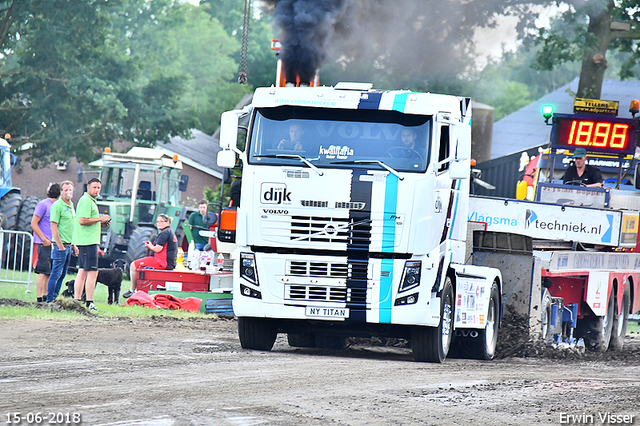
295, 139
580, 173
407, 147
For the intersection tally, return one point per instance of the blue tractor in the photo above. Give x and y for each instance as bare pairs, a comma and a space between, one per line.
15, 211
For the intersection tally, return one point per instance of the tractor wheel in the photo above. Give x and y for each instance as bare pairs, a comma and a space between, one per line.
24, 224
620, 321
257, 333
10, 207
136, 249
26, 213
432, 344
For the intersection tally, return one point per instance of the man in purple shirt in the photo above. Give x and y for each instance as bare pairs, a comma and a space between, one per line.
41, 225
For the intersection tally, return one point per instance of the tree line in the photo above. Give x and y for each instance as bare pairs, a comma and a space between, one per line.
77, 75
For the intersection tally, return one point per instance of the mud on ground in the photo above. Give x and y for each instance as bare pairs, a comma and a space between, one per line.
168, 371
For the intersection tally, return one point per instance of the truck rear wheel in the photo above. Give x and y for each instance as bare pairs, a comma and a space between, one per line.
598, 329
256, 333
330, 341
620, 320
484, 347
545, 316
301, 340
431, 344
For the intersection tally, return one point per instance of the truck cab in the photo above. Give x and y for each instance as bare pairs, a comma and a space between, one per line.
352, 220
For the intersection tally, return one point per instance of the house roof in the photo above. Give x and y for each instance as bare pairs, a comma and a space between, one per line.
199, 151
526, 129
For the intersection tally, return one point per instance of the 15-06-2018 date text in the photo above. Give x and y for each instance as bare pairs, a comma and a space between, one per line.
47, 418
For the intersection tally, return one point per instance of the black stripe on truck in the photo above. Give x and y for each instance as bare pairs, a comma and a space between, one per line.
358, 247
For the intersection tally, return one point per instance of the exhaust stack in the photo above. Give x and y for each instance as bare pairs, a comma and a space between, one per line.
284, 77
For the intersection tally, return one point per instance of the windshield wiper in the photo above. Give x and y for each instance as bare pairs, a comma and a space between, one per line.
389, 169
304, 160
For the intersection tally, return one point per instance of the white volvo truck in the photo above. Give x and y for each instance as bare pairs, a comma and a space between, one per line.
353, 221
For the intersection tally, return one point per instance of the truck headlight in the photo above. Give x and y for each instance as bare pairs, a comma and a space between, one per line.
410, 276
248, 268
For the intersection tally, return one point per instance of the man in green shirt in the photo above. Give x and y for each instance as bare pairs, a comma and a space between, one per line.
63, 218
196, 224
87, 238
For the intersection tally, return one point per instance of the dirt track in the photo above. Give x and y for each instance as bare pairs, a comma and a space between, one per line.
194, 372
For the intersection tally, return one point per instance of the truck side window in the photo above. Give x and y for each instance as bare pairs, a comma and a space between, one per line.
443, 152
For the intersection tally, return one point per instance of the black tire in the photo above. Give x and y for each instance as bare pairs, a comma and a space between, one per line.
484, 346
257, 333
330, 341
26, 214
431, 344
301, 340
597, 330
621, 320
27, 209
136, 249
545, 316
10, 208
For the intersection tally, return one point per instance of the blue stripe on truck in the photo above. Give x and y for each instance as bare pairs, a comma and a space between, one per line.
369, 100
388, 245
399, 102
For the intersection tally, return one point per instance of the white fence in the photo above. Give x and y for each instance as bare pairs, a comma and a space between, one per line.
16, 252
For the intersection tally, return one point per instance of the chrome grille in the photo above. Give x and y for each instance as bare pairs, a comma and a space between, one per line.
319, 229
313, 203
316, 293
318, 269
350, 206
327, 269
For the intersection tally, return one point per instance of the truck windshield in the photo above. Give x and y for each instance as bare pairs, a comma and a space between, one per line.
339, 138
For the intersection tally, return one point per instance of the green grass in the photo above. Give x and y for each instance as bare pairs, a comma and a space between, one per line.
633, 327
18, 291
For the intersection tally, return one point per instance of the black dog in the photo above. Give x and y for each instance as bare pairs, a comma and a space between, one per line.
111, 277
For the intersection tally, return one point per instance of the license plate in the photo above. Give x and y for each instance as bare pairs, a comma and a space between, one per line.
316, 312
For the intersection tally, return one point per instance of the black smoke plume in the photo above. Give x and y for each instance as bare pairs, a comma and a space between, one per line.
391, 41
306, 26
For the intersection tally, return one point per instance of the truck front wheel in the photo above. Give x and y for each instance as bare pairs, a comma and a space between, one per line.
256, 333
620, 320
431, 344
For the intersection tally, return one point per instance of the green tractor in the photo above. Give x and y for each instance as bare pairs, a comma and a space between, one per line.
136, 188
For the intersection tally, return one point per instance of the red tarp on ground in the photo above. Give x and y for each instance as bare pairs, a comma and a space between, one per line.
166, 301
